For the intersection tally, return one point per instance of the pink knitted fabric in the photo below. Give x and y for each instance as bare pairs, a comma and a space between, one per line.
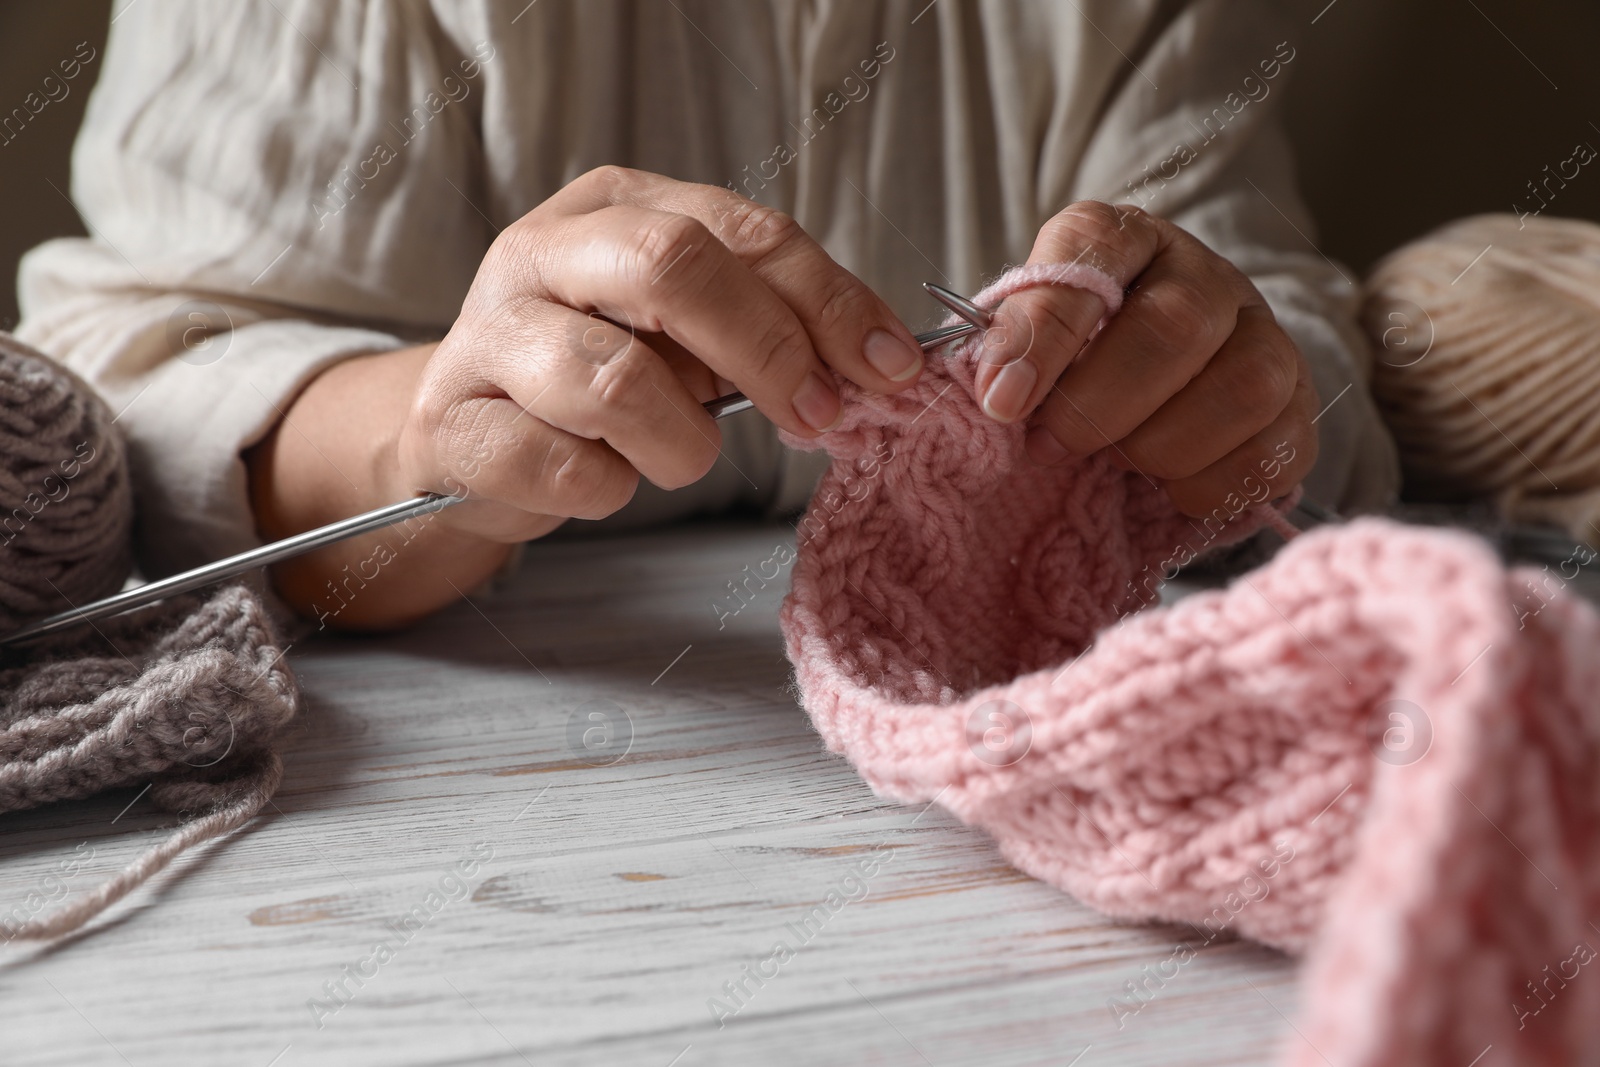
1380, 748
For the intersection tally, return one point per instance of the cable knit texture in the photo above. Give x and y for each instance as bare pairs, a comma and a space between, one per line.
186, 695
1378, 749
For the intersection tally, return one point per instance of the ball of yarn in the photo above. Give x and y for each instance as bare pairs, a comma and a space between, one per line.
66, 500
1487, 342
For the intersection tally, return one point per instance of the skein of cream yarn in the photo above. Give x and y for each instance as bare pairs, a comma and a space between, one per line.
1486, 336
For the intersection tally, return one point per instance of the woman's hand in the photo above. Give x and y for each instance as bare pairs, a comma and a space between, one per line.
1192, 383
598, 324
540, 408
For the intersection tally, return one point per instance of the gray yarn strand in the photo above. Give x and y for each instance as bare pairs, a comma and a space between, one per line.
251, 796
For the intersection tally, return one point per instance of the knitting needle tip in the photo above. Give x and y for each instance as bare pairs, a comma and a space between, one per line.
966, 309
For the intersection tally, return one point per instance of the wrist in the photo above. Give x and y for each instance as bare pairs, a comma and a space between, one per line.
337, 454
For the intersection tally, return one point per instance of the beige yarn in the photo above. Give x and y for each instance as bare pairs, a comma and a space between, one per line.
1486, 334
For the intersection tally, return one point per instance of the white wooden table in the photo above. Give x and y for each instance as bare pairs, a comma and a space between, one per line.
606, 905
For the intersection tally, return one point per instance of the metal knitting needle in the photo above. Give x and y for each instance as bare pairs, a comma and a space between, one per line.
982, 318
333, 533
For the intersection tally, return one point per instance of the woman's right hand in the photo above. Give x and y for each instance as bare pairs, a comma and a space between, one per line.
542, 408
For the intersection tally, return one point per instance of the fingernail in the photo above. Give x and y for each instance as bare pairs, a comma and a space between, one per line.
891, 357
817, 404
1043, 448
1008, 394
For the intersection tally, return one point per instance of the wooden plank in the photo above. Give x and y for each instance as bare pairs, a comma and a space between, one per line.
607, 903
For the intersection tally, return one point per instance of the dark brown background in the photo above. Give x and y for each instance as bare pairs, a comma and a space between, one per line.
1405, 113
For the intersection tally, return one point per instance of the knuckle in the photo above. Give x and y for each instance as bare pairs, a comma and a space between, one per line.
1051, 322
448, 417
1287, 451
843, 301
1124, 214
664, 250
1258, 386
1274, 462
433, 407
459, 439
592, 340
582, 483
1095, 224
1280, 366
1178, 316
1098, 213
759, 230
779, 348
618, 386
606, 178
508, 265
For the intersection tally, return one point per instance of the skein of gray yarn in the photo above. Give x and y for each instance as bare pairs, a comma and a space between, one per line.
186, 695
66, 500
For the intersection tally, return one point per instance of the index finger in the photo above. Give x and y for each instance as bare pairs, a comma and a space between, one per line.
1119, 241
662, 272
851, 329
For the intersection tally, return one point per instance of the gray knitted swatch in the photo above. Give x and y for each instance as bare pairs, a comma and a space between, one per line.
186, 695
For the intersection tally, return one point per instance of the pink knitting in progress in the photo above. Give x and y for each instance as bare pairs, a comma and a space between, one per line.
1379, 749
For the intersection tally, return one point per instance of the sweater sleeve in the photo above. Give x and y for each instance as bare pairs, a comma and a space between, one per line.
1195, 135
269, 189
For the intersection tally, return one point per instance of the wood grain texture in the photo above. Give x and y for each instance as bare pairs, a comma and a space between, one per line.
619, 897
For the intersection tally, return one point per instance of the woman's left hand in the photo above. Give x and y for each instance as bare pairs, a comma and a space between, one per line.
1192, 384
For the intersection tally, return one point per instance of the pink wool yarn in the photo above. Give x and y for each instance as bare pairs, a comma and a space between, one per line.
1379, 749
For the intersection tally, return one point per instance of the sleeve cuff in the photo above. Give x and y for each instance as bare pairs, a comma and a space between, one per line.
189, 423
